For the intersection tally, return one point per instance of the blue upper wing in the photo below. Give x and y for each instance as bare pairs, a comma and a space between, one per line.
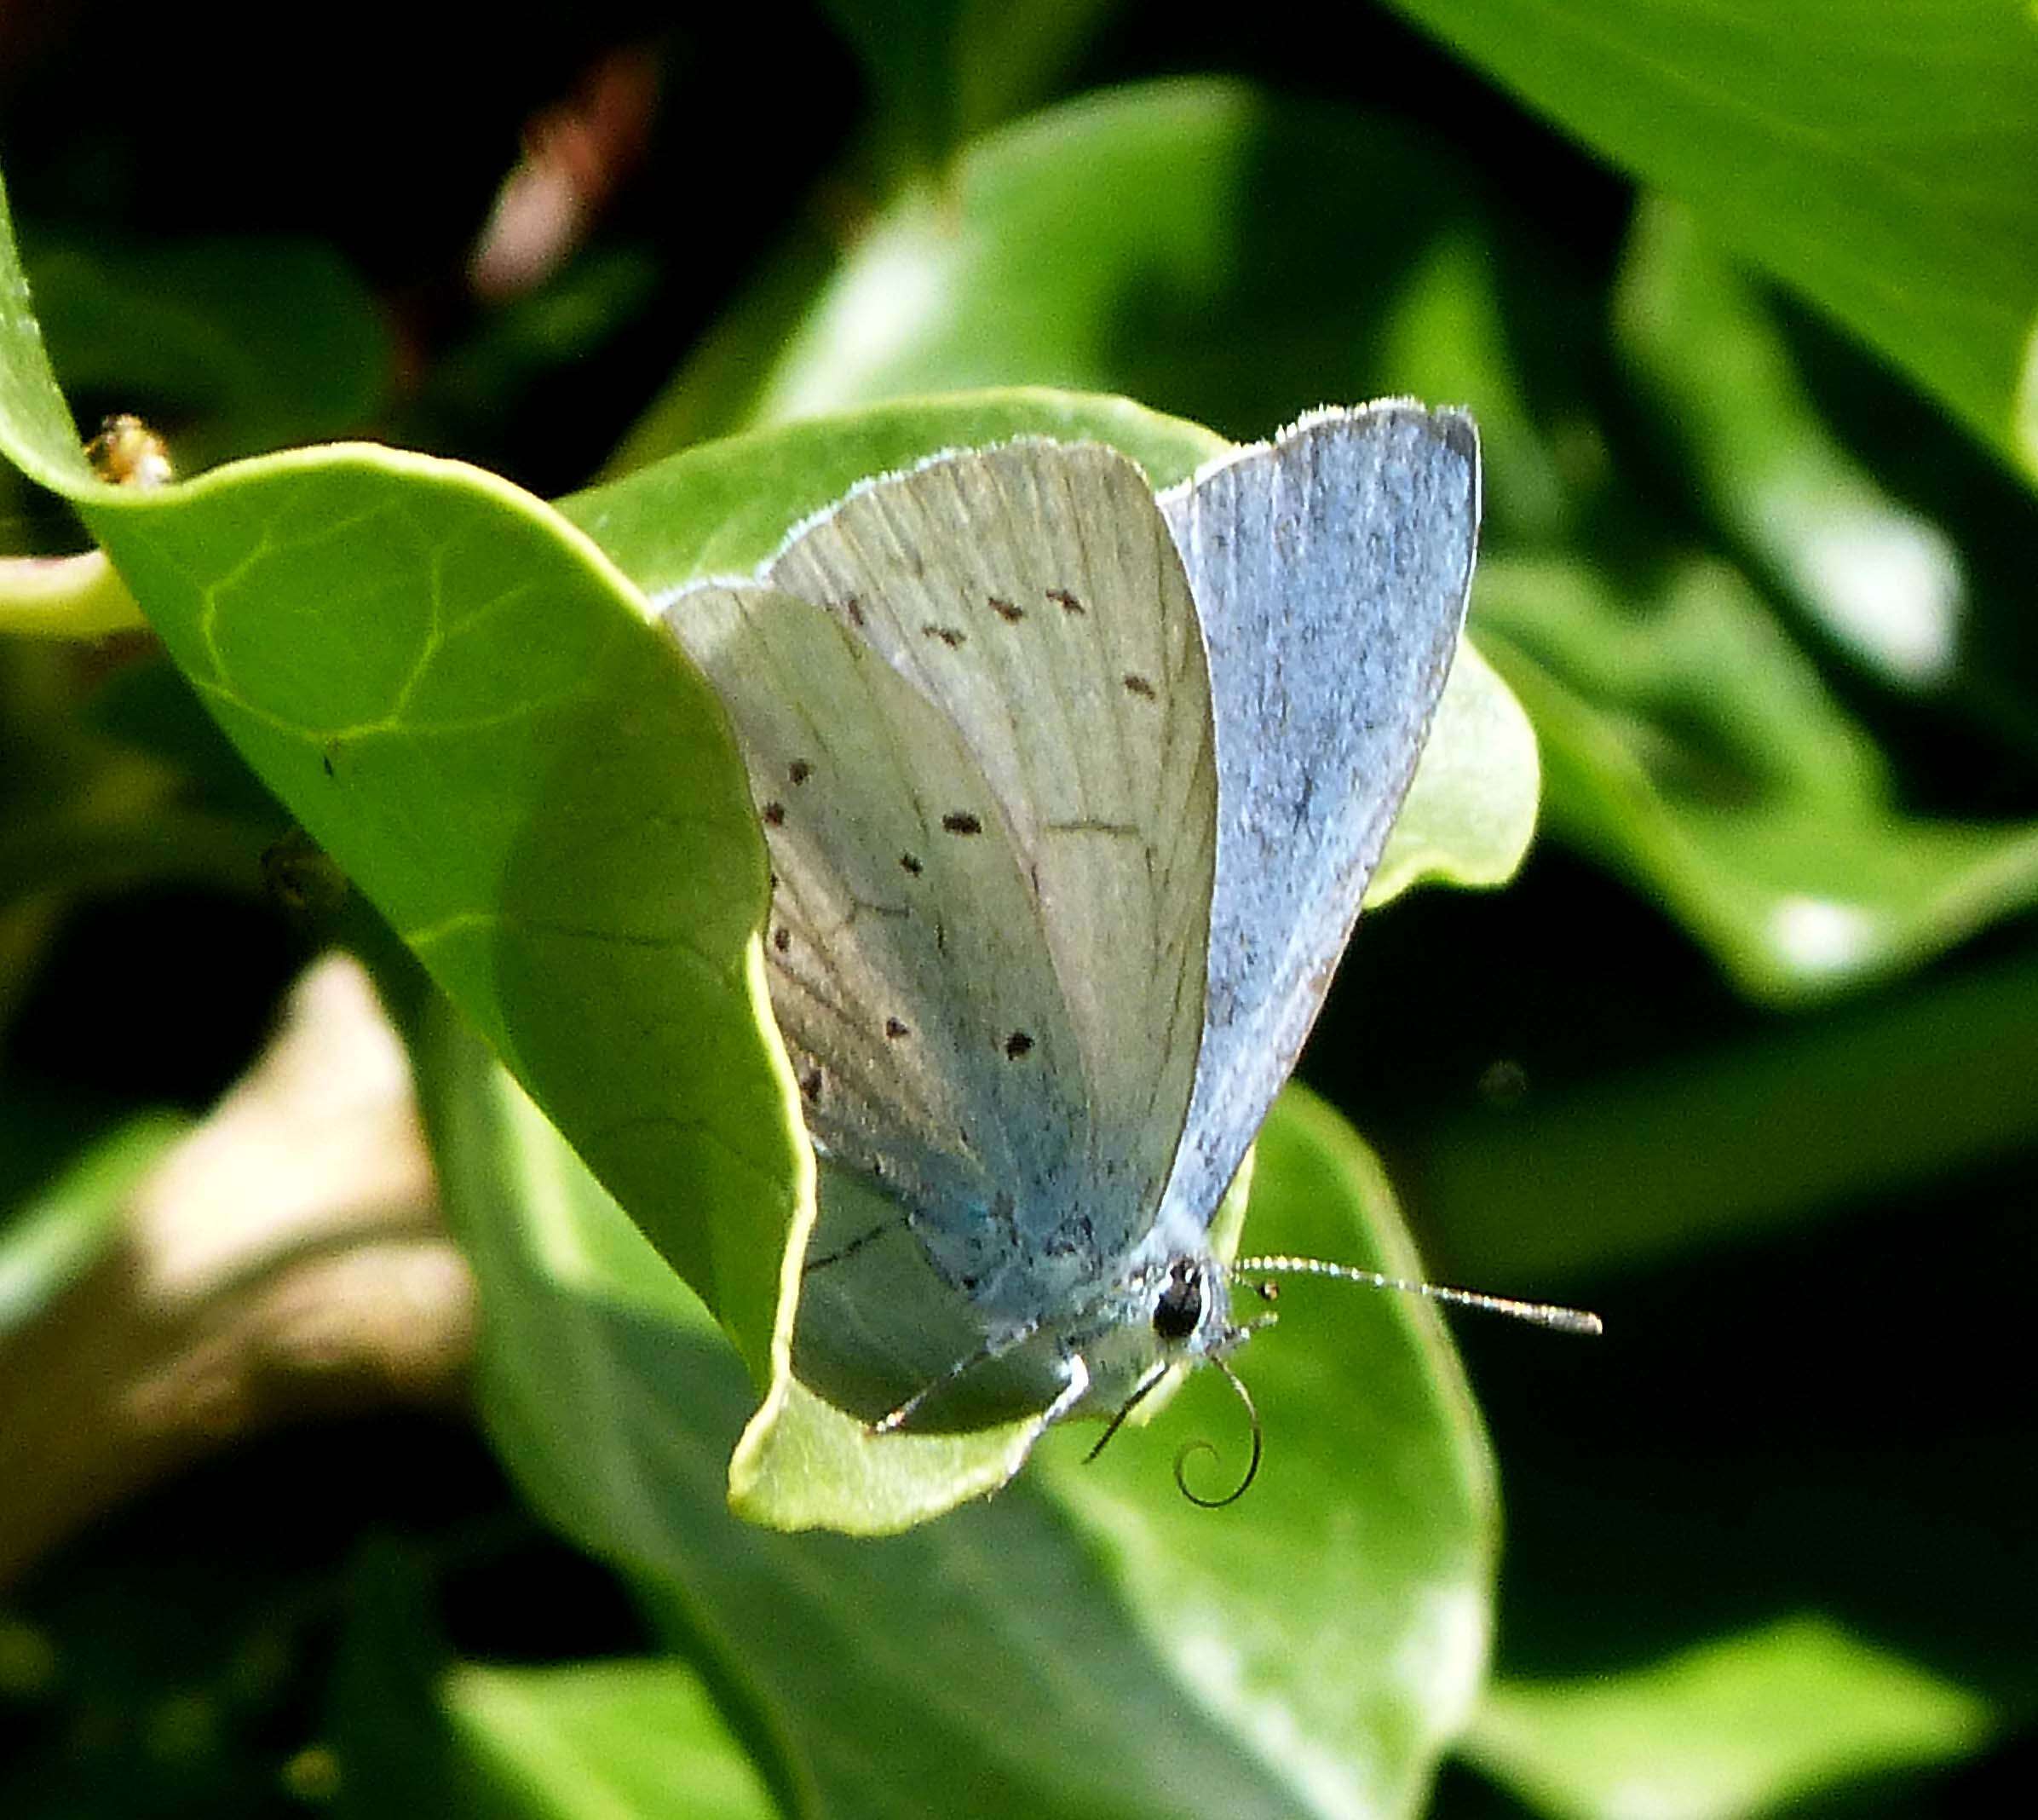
1331, 570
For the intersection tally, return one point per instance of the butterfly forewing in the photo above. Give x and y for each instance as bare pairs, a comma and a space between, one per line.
1331, 569
1033, 595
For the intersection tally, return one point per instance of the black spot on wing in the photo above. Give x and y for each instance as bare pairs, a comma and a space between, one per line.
911, 862
800, 770
1066, 600
1016, 1044
1007, 611
953, 636
773, 814
781, 938
810, 1084
961, 821
895, 1028
1138, 685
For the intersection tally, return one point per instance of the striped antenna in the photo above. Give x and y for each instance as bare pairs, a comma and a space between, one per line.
1537, 1314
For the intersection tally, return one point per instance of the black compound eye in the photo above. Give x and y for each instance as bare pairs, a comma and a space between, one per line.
1180, 1305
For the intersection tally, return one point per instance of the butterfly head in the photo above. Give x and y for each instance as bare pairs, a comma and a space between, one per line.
1186, 1306
1183, 1302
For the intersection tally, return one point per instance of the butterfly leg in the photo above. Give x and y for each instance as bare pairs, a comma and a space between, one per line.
842, 1253
995, 1347
1072, 1393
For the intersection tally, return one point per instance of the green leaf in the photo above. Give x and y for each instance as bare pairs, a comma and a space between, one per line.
1376, 1502
802, 1464
1875, 158
36, 427
943, 70
1884, 584
722, 509
1136, 242
462, 702
617, 1407
589, 1741
1309, 1650
1790, 1126
244, 344
1738, 1726
1470, 814
598, 1739
1691, 746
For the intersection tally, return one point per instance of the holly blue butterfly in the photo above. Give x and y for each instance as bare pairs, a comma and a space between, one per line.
1071, 794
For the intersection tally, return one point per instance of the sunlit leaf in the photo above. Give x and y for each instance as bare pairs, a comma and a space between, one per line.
1136, 242
597, 1740
1333, 1681
1691, 746
1731, 1728
462, 702
1885, 583
1338, 1615
1875, 157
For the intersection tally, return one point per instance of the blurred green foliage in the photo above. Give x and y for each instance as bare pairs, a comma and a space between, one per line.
1744, 1059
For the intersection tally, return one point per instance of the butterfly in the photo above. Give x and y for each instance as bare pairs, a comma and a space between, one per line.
1071, 794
